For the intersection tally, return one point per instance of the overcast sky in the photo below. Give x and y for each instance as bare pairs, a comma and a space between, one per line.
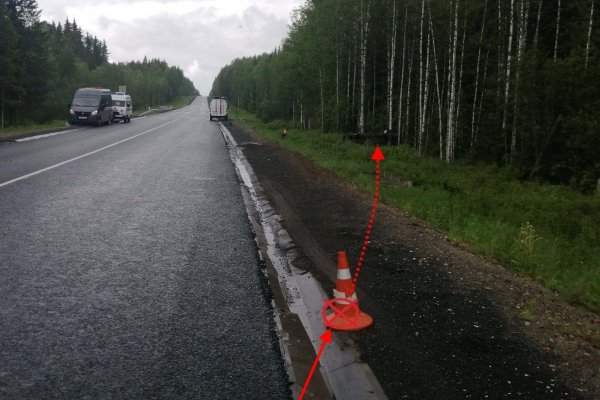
199, 36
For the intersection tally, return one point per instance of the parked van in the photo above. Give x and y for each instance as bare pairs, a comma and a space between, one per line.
91, 106
121, 106
218, 108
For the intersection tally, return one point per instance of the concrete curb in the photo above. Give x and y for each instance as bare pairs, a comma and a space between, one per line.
345, 376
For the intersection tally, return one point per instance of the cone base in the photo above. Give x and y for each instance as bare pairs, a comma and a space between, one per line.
339, 324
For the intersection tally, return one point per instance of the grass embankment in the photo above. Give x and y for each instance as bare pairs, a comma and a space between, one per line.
550, 233
178, 102
22, 130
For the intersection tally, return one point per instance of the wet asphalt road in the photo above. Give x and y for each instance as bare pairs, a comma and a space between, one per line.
132, 273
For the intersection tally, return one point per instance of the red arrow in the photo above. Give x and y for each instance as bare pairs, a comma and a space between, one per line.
326, 338
377, 157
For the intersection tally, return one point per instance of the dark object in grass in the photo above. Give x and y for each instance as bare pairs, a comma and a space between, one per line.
368, 138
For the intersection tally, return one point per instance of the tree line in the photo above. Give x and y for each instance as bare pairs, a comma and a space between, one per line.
512, 82
42, 64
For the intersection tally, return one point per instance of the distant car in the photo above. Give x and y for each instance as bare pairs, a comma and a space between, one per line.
218, 108
91, 106
122, 106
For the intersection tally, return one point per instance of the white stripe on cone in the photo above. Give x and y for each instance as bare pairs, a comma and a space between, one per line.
343, 274
342, 295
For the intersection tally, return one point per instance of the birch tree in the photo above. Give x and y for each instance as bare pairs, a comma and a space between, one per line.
508, 73
408, 87
557, 31
500, 52
364, 31
523, 18
337, 89
452, 85
421, 82
391, 69
477, 74
322, 100
460, 75
589, 36
437, 87
485, 69
537, 25
402, 77
425, 96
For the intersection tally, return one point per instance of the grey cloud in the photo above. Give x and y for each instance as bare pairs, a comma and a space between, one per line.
200, 35
213, 43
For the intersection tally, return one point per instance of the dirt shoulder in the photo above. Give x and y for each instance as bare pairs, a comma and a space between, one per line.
448, 324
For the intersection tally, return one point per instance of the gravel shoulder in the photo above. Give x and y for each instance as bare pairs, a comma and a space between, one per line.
448, 323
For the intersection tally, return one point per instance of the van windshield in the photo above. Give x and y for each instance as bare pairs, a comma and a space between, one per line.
86, 101
119, 103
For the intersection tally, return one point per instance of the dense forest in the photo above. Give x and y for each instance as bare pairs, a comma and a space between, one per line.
42, 64
510, 82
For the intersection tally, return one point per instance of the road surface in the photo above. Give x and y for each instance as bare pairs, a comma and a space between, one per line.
129, 270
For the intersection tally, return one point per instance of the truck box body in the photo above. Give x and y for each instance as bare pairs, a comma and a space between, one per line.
218, 108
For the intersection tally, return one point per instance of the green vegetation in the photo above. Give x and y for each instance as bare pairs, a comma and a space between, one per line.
180, 101
508, 82
23, 130
43, 64
549, 232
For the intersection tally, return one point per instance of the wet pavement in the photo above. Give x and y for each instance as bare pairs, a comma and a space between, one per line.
132, 272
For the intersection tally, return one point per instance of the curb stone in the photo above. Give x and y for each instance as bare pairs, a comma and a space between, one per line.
299, 298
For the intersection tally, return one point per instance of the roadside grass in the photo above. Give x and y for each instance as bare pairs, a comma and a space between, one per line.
21, 130
178, 102
550, 233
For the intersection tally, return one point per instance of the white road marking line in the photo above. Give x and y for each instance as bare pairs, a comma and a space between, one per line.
85, 155
26, 139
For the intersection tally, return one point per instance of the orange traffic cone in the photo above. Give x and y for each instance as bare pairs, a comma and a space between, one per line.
346, 315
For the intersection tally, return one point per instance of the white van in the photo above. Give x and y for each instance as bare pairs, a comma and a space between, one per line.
122, 106
218, 108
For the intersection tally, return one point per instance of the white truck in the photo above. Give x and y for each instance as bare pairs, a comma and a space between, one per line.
218, 108
122, 106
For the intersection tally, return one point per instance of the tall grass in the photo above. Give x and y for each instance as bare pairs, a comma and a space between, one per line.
177, 102
551, 233
180, 101
21, 130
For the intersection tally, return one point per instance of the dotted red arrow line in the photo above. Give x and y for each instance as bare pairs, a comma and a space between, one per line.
326, 338
361, 258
